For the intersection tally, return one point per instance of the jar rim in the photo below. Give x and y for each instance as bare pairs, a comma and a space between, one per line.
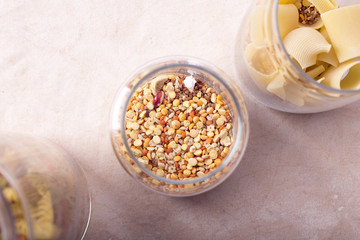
274, 4
159, 64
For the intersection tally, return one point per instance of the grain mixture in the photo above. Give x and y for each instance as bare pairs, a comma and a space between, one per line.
178, 127
308, 14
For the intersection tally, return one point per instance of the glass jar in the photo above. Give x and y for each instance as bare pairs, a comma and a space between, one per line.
43, 192
215, 79
299, 93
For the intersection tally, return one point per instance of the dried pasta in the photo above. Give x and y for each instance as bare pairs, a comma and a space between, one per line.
304, 44
288, 18
286, 90
342, 26
17, 210
260, 66
43, 218
346, 76
329, 57
323, 5
257, 33
277, 87
320, 37
313, 73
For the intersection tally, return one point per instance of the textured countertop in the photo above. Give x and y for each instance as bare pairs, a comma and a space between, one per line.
61, 62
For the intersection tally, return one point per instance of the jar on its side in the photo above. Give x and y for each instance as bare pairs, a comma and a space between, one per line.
215, 79
261, 57
43, 192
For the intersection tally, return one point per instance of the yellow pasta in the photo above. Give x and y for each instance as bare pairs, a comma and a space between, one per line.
260, 66
287, 1
323, 5
257, 30
320, 80
329, 57
346, 76
21, 227
342, 26
288, 18
286, 90
304, 44
276, 87
313, 73
319, 24
43, 218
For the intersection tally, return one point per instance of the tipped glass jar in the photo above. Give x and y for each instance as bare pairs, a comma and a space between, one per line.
43, 192
271, 75
179, 126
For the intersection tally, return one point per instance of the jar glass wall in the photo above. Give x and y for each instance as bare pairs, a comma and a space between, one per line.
262, 60
214, 78
43, 192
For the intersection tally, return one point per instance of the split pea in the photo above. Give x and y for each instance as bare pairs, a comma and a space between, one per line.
176, 102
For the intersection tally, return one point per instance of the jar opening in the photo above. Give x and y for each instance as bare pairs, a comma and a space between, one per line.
204, 70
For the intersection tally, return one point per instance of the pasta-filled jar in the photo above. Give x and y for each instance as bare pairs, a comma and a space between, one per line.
179, 126
300, 56
43, 192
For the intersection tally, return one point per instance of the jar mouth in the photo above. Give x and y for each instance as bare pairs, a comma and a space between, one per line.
160, 64
275, 25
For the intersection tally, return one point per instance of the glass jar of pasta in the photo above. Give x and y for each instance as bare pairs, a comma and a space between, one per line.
300, 56
179, 126
43, 192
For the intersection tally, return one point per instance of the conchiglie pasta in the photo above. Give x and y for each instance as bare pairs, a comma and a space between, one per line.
323, 5
346, 76
257, 29
288, 18
329, 57
304, 44
260, 66
286, 90
342, 26
276, 87
319, 24
313, 73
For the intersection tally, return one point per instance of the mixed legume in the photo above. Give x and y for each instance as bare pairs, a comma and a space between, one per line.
178, 127
308, 14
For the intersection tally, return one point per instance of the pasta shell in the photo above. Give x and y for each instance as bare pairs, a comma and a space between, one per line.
319, 24
288, 18
329, 57
304, 44
342, 25
346, 76
316, 71
257, 29
323, 5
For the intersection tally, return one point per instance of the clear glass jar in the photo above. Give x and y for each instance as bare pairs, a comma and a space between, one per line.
214, 78
43, 192
300, 93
